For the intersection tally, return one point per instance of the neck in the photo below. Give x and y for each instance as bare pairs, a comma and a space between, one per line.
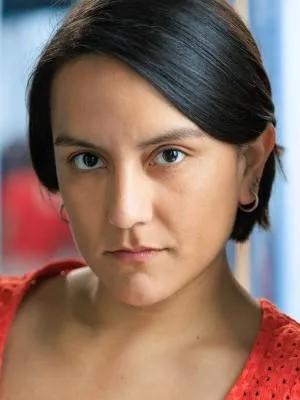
211, 307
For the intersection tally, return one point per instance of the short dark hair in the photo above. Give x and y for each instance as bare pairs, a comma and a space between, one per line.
197, 53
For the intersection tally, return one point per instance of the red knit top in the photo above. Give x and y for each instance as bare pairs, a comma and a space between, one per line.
272, 370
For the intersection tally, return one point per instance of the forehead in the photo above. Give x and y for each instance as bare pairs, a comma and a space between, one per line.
92, 92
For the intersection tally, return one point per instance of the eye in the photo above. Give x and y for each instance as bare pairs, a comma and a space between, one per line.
170, 156
86, 161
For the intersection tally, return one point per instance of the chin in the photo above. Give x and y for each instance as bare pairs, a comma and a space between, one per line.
140, 302
140, 294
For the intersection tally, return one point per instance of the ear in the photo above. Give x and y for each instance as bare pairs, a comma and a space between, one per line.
254, 156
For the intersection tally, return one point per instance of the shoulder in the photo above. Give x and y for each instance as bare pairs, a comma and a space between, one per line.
14, 286
282, 331
17, 292
279, 345
272, 370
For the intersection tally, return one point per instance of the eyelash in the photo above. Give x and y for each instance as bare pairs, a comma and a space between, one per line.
72, 159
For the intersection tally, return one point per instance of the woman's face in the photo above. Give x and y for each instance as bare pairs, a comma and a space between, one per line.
179, 194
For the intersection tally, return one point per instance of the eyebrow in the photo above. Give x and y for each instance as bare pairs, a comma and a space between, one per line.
64, 139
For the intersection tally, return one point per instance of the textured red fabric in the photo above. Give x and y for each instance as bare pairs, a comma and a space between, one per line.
272, 370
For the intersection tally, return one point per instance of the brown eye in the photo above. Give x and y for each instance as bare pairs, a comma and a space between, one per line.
86, 161
171, 156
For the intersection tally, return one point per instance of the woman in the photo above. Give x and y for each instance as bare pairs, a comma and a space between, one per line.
155, 122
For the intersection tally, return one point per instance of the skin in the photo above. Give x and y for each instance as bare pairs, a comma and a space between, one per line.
183, 305
187, 206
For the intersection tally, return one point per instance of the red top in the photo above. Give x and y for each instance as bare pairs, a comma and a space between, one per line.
272, 370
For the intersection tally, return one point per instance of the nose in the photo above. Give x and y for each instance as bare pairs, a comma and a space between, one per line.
129, 199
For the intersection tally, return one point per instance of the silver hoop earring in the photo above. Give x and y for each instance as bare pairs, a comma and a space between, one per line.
254, 207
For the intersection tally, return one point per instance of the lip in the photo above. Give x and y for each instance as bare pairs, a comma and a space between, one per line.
135, 250
135, 256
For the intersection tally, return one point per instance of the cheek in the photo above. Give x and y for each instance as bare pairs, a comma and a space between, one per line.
83, 202
202, 203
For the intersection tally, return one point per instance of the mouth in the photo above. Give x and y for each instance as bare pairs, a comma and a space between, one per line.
140, 256
134, 249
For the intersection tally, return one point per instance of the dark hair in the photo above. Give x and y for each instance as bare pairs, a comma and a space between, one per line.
197, 53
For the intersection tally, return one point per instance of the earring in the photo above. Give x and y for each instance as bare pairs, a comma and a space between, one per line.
256, 201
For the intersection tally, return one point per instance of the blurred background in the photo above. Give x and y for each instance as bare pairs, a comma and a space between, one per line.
32, 232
